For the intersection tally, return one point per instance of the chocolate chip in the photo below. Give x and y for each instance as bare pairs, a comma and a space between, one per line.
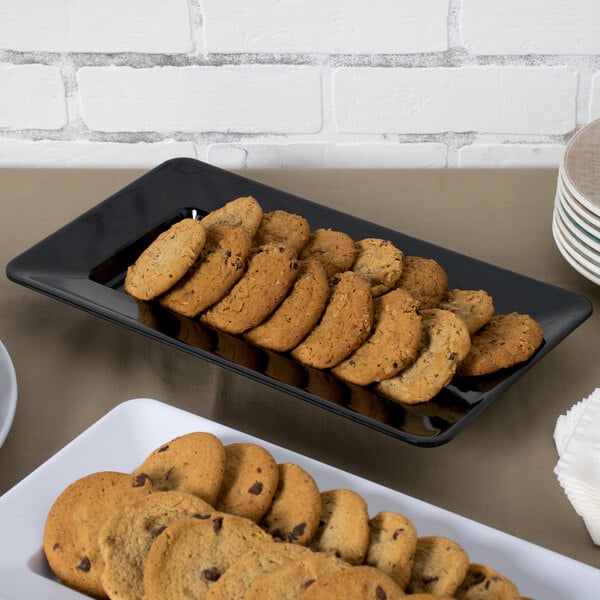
140, 480
429, 578
202, 516
217, 524
278, 534
256, 488
487, 584
56, 546
308, 583
163, 448
84, 565
296, 532
380, 593
478, 578
397, 533
258, 470
210, 574
158, 530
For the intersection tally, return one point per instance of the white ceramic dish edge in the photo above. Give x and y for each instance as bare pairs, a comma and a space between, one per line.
124, 437
8, 393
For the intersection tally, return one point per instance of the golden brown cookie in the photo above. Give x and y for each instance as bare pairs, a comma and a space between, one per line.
505, 341
288, 581
445, 343
192, 553
484, 583
70, 540
379, 263
335, 250
393, 344
344, 526
358, 583
346, 323
270, 274
127, 535
440, 566
474, 307
250, 480
264, 558
166, 260
296, 508
218, 268
244, 212
392, 545
282, 227
299, 312
193, 463
425, 279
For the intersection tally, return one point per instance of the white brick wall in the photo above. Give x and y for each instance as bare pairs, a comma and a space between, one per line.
296, 83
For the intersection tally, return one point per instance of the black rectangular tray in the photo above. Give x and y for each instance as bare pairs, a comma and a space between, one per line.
84, 265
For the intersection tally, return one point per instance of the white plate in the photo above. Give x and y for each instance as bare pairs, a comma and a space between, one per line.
581, 249
568, 255
575, 229
128, 433
588, 217
8, 393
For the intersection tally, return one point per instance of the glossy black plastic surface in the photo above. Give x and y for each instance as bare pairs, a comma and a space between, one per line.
84, 264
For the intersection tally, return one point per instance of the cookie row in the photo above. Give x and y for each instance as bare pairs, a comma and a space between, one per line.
363, 309
202, 519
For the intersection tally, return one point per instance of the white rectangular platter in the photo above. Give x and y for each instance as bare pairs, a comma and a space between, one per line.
126, 435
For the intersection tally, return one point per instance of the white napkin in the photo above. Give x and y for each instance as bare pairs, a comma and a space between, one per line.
577, 439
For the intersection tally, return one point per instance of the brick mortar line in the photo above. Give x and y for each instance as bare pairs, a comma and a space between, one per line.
454, 57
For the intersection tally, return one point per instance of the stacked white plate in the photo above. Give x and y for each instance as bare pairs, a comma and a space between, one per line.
576, 219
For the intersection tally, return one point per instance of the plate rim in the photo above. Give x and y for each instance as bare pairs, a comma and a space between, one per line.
8, 395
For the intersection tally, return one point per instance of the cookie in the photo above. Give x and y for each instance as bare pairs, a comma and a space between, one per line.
192, 553
445, 344
359, 583
335, 250
193, 463
392, 545
288, 581
282, 227
218, 268
425, 596
484, 583
265, 557
425, 279
126, 537
344, 526
346, 323
250, 480
379, 263
393, 344
297, 314
474, 307
70, 540
296, 507
440, 566
166, 260
244, 212
270, 274
505, 341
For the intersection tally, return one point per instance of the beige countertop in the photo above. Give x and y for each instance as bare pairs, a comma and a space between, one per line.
73, 367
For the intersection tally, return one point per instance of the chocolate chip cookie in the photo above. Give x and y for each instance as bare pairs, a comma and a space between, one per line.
346, 323
166, 260
270, 274
379, 263
393, 344
299, 312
